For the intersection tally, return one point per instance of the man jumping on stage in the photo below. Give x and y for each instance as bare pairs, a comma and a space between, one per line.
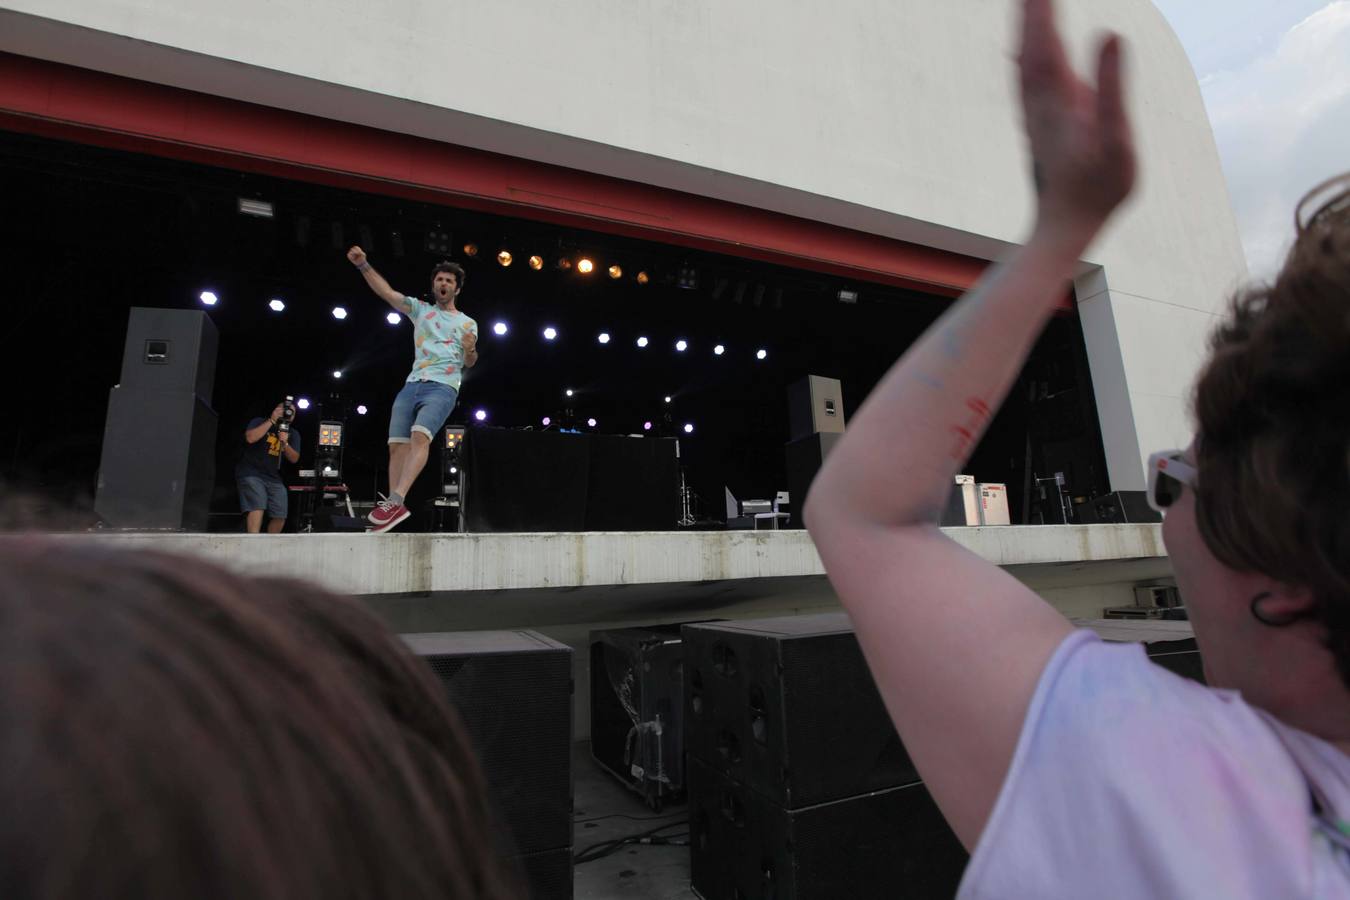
447, 344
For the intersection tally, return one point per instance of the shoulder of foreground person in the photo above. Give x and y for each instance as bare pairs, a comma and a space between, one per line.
1130, 781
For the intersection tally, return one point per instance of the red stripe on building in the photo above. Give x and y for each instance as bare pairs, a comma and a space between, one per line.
69, 103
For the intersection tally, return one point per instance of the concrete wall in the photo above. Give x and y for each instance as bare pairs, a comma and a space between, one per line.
897, 117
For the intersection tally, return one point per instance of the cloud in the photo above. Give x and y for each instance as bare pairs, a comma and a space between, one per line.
1282, 123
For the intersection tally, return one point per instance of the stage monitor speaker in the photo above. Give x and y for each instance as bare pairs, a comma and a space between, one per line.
788, 707
513, 692
158, 463
815, 405
887, 844
1117, 508
804, 459
170, 350
637, 709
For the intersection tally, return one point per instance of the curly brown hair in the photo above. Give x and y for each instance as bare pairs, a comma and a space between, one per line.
452, 268
1273, 413
169, 729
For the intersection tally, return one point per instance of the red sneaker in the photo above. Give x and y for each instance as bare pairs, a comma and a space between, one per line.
386, 515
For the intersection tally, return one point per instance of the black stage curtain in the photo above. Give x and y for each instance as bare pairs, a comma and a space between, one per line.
552, 481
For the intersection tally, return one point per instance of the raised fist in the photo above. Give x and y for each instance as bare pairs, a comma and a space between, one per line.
357, 256
470, 340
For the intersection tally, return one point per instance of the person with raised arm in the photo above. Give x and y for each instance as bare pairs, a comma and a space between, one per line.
446, 343
1070, 767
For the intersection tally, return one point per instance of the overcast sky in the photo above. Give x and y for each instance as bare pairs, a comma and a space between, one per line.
1276, 80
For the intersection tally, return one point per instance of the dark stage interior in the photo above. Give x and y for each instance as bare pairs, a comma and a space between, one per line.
91, 232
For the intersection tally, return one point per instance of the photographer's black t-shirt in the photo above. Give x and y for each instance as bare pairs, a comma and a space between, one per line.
262, 457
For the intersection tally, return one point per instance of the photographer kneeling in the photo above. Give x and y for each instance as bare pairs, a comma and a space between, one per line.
258, 473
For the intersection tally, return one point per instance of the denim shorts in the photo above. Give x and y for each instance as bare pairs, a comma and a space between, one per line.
421, 406
256, 492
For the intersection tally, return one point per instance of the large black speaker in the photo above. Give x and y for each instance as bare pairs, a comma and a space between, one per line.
890, 844
513, 691
637, 709
788, 707
804, 459
158, 463
170, 350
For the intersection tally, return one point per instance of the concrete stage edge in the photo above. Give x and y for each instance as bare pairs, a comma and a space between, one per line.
565, 584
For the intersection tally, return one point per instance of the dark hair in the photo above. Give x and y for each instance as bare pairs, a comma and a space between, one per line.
454, 269
169, 729
1273, 443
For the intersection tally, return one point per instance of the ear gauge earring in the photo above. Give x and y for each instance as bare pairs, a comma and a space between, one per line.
1265, 618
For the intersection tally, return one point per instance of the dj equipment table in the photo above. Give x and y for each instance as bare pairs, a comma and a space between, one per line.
558, 481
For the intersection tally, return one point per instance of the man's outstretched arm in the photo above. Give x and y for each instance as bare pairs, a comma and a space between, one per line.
357, 256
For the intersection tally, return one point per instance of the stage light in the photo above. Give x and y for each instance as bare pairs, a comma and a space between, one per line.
667, 399
260, 208
547, 421
568, 392
209, 298
642, 342
550, 333
454, 470
337, 373
681, 345
603, 337
585, 266
470, 250
302, 403
688, 278
536, 262
719, 350
361, 410
499, 328
504, 257
590, 422
847, 296
480, 415
643, 278
615, 272
564, 263
762, 354
646, 426
393, 318
328, 455
276, 305
330, 434
688, 427
339, 313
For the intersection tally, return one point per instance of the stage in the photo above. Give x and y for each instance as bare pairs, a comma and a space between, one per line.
524, 580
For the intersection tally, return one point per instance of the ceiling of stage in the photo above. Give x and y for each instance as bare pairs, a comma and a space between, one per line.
91, 233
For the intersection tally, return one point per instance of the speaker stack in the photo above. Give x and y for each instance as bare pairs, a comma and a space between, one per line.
799, 786
159, 439
815, 425
513, 692
637, 709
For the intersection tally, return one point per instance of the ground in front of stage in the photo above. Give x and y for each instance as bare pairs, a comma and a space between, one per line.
604, 810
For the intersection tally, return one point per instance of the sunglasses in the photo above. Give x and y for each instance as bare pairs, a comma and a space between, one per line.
1168, 473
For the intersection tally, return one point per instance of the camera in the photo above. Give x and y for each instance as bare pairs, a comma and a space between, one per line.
287, 414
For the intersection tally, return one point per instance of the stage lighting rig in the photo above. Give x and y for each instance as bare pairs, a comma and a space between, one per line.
452, 476
328, 451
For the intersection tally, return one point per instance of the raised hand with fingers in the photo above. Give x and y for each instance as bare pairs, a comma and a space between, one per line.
1080, 135
356, 256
